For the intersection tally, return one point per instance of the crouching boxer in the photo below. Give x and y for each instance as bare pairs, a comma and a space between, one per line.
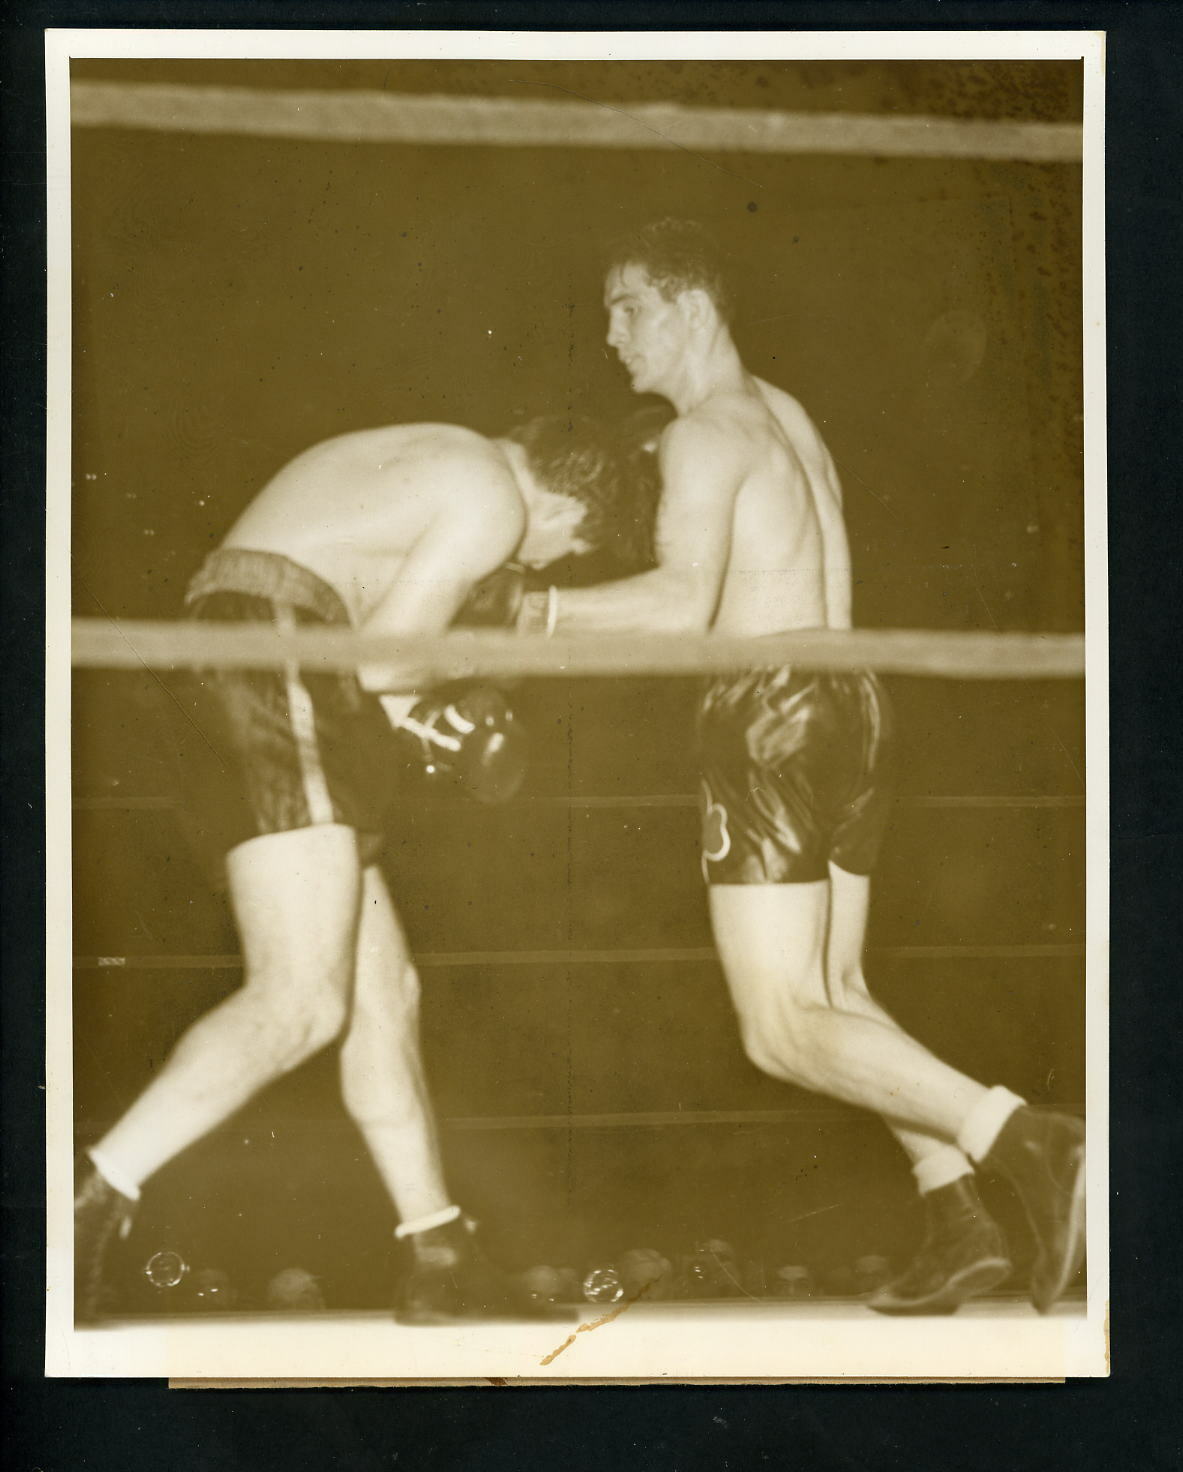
387, 531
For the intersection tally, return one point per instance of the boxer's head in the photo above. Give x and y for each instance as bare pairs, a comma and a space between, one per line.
665, 290
579, 492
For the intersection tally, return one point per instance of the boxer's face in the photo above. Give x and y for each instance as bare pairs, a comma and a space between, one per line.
554, 531
645, 331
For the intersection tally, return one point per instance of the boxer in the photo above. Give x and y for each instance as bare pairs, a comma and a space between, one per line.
796, 774
384, 531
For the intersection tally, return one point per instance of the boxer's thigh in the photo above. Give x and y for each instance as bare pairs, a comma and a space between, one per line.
296, 898
770, 939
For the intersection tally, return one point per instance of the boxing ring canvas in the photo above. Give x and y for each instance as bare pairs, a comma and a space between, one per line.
261, 240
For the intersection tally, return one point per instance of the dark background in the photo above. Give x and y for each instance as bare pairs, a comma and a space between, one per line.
1134, 1417
238, 299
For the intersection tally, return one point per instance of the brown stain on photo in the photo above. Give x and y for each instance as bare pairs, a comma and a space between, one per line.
607, 1318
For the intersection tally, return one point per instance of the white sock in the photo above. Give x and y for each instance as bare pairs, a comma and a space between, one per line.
944, 1166
983, 1123
439, 1218
113, 1175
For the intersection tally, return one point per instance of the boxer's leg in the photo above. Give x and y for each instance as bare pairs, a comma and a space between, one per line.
295, 897
771, 942
385, 1091
382, 1077
847, 991
962, 1252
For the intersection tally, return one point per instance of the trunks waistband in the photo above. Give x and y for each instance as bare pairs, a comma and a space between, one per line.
266, 575
754, 671
780, 677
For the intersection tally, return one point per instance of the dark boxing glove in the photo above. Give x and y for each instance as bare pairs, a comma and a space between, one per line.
496, 601
466, 732
501, 601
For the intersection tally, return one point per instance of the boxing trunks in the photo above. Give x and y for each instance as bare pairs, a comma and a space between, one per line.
272, 750
796, 775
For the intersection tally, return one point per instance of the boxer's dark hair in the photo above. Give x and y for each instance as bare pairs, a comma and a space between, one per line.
677, 255
573, 455
642, 429
638, 433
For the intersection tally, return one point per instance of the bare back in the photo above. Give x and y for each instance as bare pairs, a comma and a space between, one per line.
775, 576
352, 508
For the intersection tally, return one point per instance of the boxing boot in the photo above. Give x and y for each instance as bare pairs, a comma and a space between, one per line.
1042, 1155
100, 1214
451, 1279
961, 1255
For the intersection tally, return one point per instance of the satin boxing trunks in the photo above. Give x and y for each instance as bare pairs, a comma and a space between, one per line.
270, 751
796, 775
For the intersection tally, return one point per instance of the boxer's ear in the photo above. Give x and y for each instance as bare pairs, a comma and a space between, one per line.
697, 306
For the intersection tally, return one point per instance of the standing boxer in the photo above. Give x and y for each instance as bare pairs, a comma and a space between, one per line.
796, 775
386, 531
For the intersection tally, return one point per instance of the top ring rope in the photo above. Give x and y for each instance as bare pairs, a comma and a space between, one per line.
113, 644
357, 116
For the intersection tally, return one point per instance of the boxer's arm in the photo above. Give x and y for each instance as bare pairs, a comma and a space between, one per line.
462, 544
702, 464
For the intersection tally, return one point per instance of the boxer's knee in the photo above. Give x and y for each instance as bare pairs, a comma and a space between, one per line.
316, 1024
781, 1040
390, 1007
406, 989
323, 1019
295, 1027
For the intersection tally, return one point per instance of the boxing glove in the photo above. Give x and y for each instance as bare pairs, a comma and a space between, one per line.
496, 601
466, 732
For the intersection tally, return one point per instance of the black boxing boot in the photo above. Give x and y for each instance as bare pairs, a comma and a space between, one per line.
1042, 1155
451, 1279
961, 1255
101, 1213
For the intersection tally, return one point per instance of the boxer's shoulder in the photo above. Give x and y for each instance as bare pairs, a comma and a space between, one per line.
719, 427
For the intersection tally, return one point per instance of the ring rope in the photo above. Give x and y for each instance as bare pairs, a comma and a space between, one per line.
358, 116
174, 644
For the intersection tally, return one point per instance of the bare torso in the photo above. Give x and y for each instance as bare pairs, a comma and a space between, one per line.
350, 509
776, 568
